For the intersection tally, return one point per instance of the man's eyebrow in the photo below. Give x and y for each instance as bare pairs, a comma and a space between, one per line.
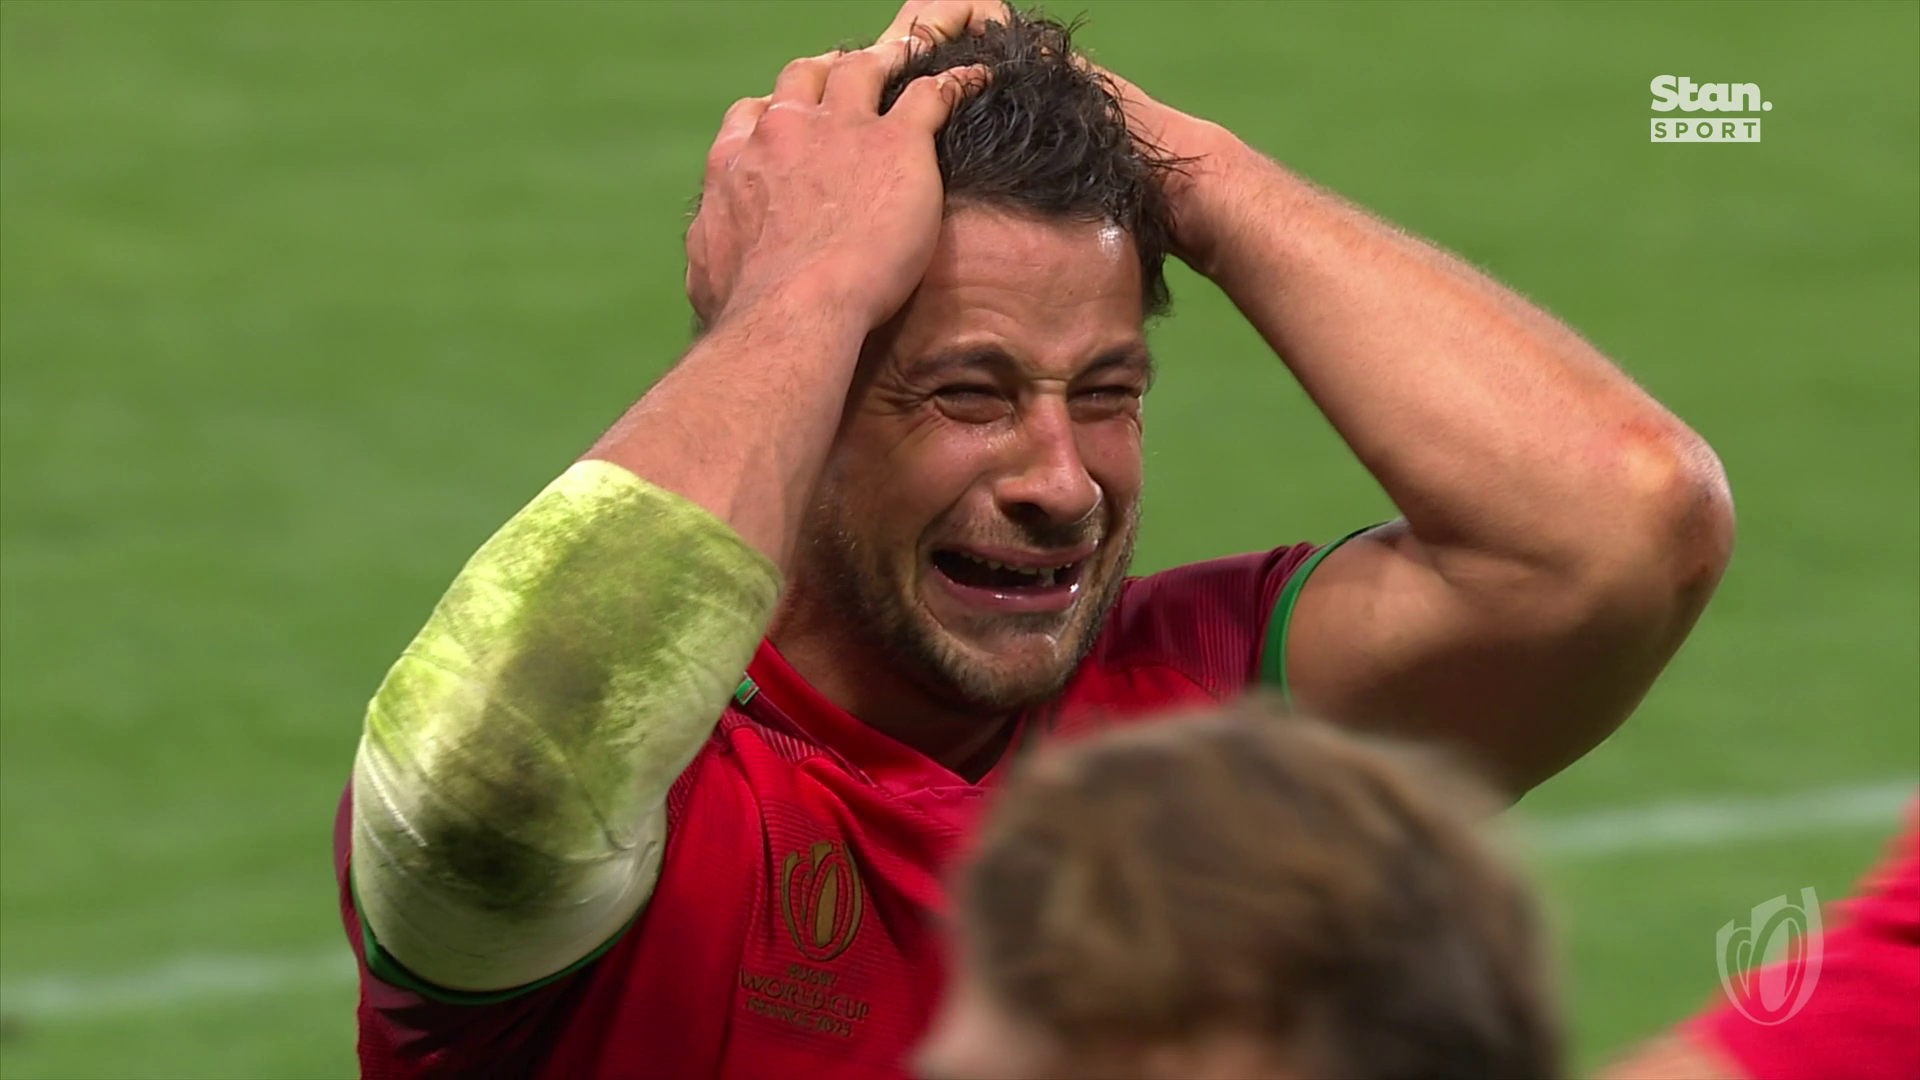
1128, 357
953, 360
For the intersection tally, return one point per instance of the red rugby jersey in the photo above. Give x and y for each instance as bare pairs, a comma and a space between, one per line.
790, 934
1862, 1019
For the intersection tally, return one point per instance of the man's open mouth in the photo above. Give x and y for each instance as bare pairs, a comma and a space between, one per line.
1023, 575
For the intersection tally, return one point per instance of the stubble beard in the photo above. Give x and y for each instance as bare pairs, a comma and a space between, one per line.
870, 595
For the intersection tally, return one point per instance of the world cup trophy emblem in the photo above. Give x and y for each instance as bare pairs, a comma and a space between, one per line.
1770, 966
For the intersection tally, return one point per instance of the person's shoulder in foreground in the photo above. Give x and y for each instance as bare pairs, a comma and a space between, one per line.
1245, 895
1861, 1021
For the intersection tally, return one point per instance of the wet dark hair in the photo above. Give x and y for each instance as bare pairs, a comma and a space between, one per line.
1047, 137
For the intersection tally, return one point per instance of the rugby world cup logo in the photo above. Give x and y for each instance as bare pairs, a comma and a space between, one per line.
821, 899
1769, 967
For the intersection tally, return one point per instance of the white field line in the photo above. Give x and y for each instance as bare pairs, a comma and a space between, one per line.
192, 979
1705, 822
184, 981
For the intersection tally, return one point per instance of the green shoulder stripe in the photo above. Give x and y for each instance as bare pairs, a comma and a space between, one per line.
390, 971
1273, 659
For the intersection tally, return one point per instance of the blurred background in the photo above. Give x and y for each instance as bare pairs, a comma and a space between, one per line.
298, 302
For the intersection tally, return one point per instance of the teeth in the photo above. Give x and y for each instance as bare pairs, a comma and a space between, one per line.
1044, 573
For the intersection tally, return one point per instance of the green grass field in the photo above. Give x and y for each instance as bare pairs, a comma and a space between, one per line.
299, 302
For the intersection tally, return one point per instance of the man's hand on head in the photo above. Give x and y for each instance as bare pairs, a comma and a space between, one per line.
812, 186
1207, 148
1200, 190
712, 264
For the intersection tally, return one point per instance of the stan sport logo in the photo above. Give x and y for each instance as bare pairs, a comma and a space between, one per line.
1769, 966
1677, 92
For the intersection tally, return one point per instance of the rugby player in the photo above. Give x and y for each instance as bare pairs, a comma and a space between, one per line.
896, 484
1860, 1021
1242, 896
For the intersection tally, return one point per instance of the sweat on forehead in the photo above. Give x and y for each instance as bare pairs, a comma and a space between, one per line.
974, 237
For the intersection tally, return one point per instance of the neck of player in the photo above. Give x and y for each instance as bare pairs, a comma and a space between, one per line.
862, 681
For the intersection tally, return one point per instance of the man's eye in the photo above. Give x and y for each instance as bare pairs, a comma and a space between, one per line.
973, 404
1106, 397
966, 392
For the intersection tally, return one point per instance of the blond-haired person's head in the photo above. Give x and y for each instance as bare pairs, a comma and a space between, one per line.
1246, 895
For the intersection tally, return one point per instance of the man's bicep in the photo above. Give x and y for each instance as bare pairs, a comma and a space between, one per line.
1384, 637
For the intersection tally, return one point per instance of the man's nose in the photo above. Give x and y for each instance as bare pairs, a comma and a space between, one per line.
1047, 479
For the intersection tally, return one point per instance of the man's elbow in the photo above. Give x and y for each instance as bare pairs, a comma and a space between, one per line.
1670, 535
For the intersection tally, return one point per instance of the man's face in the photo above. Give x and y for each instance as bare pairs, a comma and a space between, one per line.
978, 509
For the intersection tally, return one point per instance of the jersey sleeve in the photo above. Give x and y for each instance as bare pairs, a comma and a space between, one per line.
406, 1033
1862, 1017
1222, 623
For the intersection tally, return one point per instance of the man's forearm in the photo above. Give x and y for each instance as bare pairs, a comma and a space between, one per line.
742, 425
1494, 428
510, 788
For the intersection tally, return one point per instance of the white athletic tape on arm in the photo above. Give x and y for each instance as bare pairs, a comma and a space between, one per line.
509, 793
